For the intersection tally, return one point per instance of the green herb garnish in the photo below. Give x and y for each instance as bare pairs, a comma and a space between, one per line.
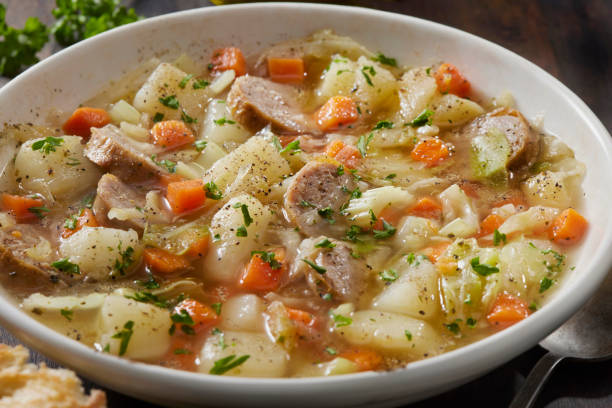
387, 231
388, 275
170, 101
326, 243
48, 144
200, 145
225, 364
498, 237
224, 121
482, 269
267, 257
380, 57
241, 231
64, 265
424, 118
184, 81
363, 142
124, 335
383, 124
317, 268
212, 191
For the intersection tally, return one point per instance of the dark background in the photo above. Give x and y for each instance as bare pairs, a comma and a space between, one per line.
572, 40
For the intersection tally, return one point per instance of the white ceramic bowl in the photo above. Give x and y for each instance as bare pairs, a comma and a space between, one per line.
79, 72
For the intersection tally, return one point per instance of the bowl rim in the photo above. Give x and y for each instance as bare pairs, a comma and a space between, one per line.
29, 330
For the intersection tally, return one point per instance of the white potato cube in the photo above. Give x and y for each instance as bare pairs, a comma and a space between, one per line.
416, 90
536, 218
243, 313
451, 110
414, 233
547, 189
219, 127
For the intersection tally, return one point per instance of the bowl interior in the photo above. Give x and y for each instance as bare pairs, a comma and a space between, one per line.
80, 72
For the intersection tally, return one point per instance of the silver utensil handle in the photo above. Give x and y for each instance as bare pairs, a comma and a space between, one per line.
528, 393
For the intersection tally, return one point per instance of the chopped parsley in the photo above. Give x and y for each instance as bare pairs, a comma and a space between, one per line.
368, 70
180, 351
148, 297
71, 222
167, 164
387, 231
408, 335
224, 121
453, 327
410, 258
545, 284
184, 81
225, 364
126, 259
326, 243
556, 267
383, 124
424, 118
292, 148
317, 268
67, 314
533, 306
217, 307
267, 257
340, 320
363, 142
186, 118
48, 144
170, 102
482, 269
38, 211
383, 59
390, 176
340, 170
307, 204
327, 213
352, 233
245, 213
241, 231
330, 351
87, 202
356, 193
200, 83
372, 216
149, 284
200, 145
158, 117
72, 161
498, 237
388, 275
125, 335
470, 322
212, 191
64, 265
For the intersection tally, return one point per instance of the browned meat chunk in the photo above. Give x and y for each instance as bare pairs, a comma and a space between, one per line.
116, 153
315, 196
113, 193
524, 142
256, 102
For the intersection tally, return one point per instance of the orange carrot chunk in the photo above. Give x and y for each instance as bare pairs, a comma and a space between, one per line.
86, 218
490, 224
432, 152
391, 214
228, 58
263, 274
198, 248
21, 207
434, 252
83, 119
348, 155
171, 134
301, 316
338, 111
186, 195
427, 207
167, 178
507, 310
366, 360
286, 70
203, 316
568, 227
450, 80
164, 262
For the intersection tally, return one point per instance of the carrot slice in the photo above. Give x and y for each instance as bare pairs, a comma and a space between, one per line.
171, 134
432, 152
20, 206
434, 252
286, 139
490, 224
182, 353
348, 155
507, 310
337, 112
301, 316
366, 360
86, 218
164, 262
427, 207
203, 316
450, 80
228, 58
186, 195
286, 70
568, 227
83, 119
167, 178
199, 248
391, 214
260, 275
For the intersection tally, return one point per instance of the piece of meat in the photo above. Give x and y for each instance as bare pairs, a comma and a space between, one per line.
524, 142
113, 193
116, 153
345, 277
256, 102
315, 196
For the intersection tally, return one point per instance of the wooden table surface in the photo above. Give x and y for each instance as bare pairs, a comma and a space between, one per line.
572, 40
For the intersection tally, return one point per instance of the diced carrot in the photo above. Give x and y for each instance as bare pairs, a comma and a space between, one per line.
83, 119
450, 80
348, 155
434, 252
568, 227
182, 353
171, 134
186, 195
203, 316
228, 58
259, 275
286, 139
19, 206
164, 262
166, 178
337, 112
391, 213
427, 207
490, 224
199, 248
432, 152
366, 360
86, 218
300, 316
507, 310
286, 70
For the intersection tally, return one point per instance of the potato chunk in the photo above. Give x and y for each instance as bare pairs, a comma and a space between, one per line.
64, 172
